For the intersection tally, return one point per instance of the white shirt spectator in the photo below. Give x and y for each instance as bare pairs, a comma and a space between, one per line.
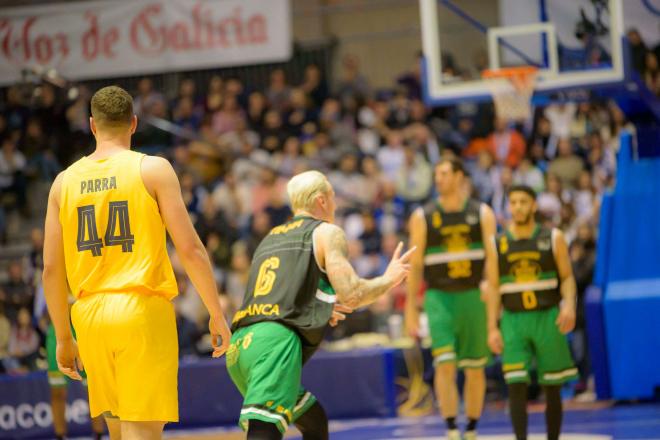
561, 117
11, 161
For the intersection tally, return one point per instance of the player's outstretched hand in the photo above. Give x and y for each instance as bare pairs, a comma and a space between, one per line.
566, 319
339, 314
399, 266
68, 359
495, 342
220, 335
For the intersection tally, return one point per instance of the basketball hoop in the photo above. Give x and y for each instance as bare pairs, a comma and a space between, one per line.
513, 96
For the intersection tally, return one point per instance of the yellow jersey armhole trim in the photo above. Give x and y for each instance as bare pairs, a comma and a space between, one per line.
144, 187
62, 192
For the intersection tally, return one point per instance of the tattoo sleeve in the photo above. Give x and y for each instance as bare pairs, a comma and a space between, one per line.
351, 290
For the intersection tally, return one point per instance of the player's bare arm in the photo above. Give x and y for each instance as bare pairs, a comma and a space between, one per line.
55, 285
351, 290
417, 228
493, 300
567, 286
162, 183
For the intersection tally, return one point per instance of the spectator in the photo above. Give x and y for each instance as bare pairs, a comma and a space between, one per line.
314, 85
188, 335
638, 50
583, 259
185, 116
212, 221
371, 183
277, 208
300, 113
567, 166
346, 181
602, 162
278, 92
42, 162
568, 221
146, 97
352, 82
652, 73
215, 94
391, 156
233, 198
585, 197
412, 79
561, 117
260, 225
218, 246
414, 178
15, 110
290, 159
149, 138
18, 293
485, 176
530, 175
12, 175
238, 276
77, 116
188, 91
371, 237
505, 144
501, 196
549, 201
193, 194
256, 112
229, 117
422, 137
24, 340
273, 133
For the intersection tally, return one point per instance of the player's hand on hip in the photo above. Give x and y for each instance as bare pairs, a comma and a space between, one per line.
399, 266
339, 314
495, 342
220, 335
566, 319
68, 359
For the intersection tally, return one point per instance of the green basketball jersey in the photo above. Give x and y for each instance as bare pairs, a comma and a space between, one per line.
454, 255
286, 285
528, 272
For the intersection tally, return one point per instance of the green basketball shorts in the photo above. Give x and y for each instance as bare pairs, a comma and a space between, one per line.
457, 322
534, 335
264, 361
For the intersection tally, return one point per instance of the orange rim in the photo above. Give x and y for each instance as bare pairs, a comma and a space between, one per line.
510, 72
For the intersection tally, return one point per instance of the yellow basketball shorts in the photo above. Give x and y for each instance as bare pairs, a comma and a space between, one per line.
129, 348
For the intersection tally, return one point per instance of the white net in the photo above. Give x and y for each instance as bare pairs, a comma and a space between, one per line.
512, 95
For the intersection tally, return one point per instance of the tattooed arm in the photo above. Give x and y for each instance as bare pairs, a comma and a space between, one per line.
353, 291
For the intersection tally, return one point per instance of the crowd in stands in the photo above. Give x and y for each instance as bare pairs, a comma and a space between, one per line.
234, 148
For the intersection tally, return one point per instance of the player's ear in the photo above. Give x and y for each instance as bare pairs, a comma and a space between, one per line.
92, 126
134, 122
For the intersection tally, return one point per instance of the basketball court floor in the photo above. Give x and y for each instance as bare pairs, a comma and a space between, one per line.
597, 422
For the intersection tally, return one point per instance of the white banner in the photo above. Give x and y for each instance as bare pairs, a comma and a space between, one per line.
114, 38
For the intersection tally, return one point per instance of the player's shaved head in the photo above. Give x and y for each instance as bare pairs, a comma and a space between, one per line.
304, 188
112, 108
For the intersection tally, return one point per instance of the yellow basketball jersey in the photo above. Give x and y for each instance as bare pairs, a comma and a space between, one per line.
114, 236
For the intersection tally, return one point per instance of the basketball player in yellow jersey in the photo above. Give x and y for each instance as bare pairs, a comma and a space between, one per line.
105, 234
